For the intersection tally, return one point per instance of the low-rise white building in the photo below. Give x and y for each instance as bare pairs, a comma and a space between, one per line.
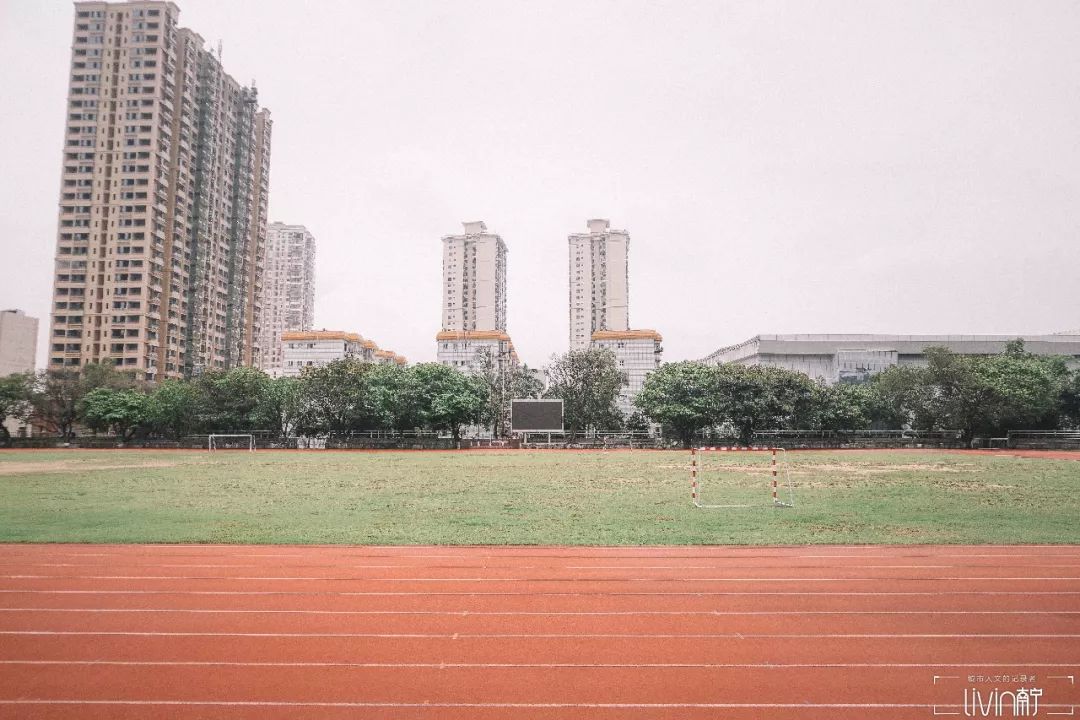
464, 349
637, 353
316, 348
854, 358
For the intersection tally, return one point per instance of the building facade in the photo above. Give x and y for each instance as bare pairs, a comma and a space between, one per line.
288, 301
474, 300
855, 358
163, 200
466, 350
18, 342
301, 350
600, 306
637, 353
18, 350
599, 282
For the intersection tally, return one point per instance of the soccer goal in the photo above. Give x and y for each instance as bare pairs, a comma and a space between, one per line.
231, 442
738, 486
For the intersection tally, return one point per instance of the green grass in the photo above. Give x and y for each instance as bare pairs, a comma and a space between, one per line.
531, 497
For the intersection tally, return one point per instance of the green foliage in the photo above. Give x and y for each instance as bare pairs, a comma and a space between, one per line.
842, 407
280, 406
120, 411
56, 394
754, 397
173, 408
450, 398
336, 397
978, 395
15, 392
228, 402
682, 397
588, 381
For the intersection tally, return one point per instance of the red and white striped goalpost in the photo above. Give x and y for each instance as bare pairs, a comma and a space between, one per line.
695, 493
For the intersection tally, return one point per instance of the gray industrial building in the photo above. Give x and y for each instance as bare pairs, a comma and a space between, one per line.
854, 358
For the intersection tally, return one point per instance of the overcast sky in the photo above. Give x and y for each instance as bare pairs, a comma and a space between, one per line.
860, 166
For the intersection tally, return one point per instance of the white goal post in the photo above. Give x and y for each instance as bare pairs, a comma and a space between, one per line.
214, 442
786, 500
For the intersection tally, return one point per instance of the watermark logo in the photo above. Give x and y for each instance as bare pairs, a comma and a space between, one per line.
1008, 695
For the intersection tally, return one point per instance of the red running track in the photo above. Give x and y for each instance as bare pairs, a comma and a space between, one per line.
437, 632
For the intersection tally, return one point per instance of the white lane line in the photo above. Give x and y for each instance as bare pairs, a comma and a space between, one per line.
492, 705
442, 665
550, 593
273, 578
456, 636
554, 613
797, 567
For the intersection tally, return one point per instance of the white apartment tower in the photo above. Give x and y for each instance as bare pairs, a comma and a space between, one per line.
164, 187
474, 299
474, 280
599, 282
599, 307
288, 289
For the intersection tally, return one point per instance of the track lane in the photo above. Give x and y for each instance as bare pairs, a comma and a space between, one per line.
441, 633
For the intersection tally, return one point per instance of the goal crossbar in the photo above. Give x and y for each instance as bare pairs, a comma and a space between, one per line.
212, 441
695, 486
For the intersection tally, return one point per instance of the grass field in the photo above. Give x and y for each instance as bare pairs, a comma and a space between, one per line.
531, 497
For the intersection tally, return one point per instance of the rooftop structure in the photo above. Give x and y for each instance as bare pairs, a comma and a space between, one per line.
854, 358
316, 348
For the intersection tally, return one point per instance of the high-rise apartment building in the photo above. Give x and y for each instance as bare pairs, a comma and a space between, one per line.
600, 307
599, 282
288, 302
163, 200
474, 300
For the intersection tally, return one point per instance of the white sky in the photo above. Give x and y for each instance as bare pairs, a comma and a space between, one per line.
802, 166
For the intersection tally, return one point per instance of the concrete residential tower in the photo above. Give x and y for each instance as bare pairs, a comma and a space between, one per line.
599, 282
600, 306
288, 302
163, 200
474, 299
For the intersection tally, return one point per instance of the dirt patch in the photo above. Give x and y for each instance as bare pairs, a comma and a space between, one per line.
46, 468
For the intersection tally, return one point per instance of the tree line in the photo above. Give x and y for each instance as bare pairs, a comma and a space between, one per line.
973, 395
978, 396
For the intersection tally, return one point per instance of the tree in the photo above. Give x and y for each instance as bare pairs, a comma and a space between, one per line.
336, 397
504, 382
751, 398
56, 393
844, 406
14, 399
1021, 391
394, 398
228, 401
588, 381
682, 397
123, 412
173, 408
900, 398
280, 406
1070, 401
450, 398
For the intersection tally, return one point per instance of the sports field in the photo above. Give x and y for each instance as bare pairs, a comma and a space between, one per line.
534, 497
